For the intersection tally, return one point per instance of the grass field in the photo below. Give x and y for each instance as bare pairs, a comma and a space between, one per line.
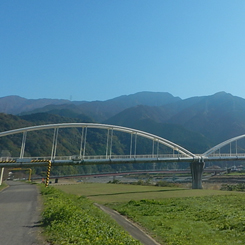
206, 220
173, 215
109, 193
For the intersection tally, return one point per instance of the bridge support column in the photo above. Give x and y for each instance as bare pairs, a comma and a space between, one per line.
196, 172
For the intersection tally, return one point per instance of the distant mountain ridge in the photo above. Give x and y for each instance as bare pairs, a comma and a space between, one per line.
217, 117
16, 104
98, 110
196, 123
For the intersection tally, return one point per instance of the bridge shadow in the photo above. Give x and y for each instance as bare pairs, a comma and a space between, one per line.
134, 192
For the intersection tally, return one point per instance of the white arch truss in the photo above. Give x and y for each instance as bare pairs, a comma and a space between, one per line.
219, 146
85, 126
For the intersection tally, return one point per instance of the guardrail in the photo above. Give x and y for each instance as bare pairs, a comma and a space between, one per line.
79, 158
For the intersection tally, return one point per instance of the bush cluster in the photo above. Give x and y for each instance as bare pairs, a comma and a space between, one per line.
234, 187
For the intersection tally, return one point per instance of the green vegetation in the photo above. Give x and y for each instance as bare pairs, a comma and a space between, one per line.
192, 220
237, 173
109, 193
69, 219
2, 186
234, 187
174, 215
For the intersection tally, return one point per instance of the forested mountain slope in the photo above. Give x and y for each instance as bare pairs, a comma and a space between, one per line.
196, 123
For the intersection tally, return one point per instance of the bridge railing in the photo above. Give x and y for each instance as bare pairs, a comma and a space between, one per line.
7, 159
79, 158
124, 156
226, 155
214, 156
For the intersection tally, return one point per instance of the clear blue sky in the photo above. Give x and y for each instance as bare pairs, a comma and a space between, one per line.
101, 49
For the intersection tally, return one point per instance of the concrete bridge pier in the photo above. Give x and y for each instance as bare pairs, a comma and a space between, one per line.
196, 172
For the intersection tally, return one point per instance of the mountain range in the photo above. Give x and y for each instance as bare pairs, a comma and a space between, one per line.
196, 123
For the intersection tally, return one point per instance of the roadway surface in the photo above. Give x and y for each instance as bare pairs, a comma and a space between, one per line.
19, 215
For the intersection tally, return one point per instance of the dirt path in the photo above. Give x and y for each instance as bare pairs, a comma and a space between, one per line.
131, 228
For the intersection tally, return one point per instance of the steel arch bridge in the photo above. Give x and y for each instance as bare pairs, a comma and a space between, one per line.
179, 154
233, 152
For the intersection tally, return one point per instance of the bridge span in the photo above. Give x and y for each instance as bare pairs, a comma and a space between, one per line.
161, 150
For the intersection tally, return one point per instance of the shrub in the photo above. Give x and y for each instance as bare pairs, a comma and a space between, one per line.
166, 184
235, 187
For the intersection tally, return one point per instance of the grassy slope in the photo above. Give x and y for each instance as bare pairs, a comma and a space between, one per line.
69, 219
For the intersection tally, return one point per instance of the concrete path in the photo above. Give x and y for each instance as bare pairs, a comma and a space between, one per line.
19, 214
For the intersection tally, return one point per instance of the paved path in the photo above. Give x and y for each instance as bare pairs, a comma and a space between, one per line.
131, 228
19, 216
